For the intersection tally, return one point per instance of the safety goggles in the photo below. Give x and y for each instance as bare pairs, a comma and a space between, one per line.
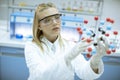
49, 19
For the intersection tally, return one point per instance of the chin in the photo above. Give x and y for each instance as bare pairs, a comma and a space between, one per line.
57, 33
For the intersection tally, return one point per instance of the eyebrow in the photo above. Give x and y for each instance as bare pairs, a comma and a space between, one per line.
49, 16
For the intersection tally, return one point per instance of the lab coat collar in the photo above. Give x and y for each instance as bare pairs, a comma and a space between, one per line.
50, 44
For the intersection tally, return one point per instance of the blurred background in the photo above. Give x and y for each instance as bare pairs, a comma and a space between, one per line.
80, 19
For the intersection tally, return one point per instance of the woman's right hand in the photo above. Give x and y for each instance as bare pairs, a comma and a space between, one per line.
77, 49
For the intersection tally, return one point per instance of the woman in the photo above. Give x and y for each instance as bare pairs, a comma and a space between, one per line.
50, 57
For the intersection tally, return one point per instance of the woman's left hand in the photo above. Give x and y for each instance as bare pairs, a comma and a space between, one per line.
102, 46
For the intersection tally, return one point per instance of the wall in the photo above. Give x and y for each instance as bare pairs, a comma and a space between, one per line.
110, 8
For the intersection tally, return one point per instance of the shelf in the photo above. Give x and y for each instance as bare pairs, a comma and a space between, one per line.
80, 12
22, 7
62, 11
72, 19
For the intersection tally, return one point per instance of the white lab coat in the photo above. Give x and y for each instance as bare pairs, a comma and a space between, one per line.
50, 65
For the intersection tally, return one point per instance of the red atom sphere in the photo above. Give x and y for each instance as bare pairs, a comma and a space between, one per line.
88, 40
85, 21
96, 18
108, 19
88, 55
80, 32
115, 32
107, 35
113, 50
82, 38
89, 49
78, 28
108, 52
112, 21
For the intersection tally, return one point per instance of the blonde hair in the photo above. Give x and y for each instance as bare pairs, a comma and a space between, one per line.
37, 33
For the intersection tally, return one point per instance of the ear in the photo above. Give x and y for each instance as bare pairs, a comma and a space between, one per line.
39, 27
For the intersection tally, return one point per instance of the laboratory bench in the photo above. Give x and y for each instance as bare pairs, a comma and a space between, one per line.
12, 61
13, 66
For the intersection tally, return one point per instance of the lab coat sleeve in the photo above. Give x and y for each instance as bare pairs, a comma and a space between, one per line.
41, 68
84, 71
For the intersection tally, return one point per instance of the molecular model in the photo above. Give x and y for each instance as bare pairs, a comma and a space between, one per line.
104, 29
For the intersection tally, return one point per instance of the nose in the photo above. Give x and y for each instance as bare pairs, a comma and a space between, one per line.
54, 21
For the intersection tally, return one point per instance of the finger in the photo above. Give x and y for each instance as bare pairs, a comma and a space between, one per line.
85, 44
97, 49
85, 40
98, 42
105, 42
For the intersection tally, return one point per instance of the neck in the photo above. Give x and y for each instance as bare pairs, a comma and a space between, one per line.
52, 39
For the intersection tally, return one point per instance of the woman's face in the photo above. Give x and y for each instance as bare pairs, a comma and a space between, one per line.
50, 26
